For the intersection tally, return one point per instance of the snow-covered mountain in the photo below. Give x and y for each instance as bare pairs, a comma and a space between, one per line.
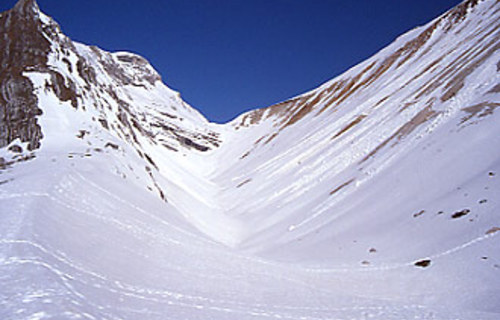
374, 196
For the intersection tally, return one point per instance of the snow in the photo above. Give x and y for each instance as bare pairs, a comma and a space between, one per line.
306, 226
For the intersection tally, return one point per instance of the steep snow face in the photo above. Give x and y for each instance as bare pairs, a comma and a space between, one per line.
373, 196
418, 118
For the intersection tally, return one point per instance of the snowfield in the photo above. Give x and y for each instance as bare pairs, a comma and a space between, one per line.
374, 196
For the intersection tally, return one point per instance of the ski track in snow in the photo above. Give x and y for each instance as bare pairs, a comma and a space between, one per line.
171, 298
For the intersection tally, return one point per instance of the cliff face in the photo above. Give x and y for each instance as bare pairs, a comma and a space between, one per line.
33, 43
24, 47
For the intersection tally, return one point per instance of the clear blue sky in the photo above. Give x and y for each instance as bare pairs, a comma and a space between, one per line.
229, 56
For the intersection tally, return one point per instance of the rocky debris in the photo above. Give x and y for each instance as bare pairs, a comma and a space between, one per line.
4, 164
423, 263
82, 133
493, 230
6, 181
479, 110
246, 154
112, 146
169, 147
460, 214
342, 186
243, 183
418, 214
161, 193
104, 123
150, 160
16, 149
185, 141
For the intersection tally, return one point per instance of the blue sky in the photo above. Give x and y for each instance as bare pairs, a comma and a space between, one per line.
230, 56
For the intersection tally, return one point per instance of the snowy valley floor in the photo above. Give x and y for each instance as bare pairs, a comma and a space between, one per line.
79, 243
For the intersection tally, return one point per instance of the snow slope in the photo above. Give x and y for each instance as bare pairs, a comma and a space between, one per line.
374, 196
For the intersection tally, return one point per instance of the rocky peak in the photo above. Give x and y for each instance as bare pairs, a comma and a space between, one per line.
27, 8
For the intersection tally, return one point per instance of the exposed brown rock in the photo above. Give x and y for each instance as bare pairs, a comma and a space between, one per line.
343, 89
161, 193
271, 137
381, 102
418, 214
82, 133
342, 186
86, 72
349, 126
5, 181
190, 143
170, 148
4, 164
293, 110
459, 13
479, 110
460, 214
63, 88
246, 154
493, 230
114, 65
243, 183
150, 160
495, 89
16, 149
112, 146
423, 263
458, 82
23, 48
420, 118
104, 123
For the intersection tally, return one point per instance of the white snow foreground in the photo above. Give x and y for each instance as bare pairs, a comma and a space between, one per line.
375, 196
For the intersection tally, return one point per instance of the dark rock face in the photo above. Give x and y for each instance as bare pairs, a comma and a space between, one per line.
23, 48
27, 39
